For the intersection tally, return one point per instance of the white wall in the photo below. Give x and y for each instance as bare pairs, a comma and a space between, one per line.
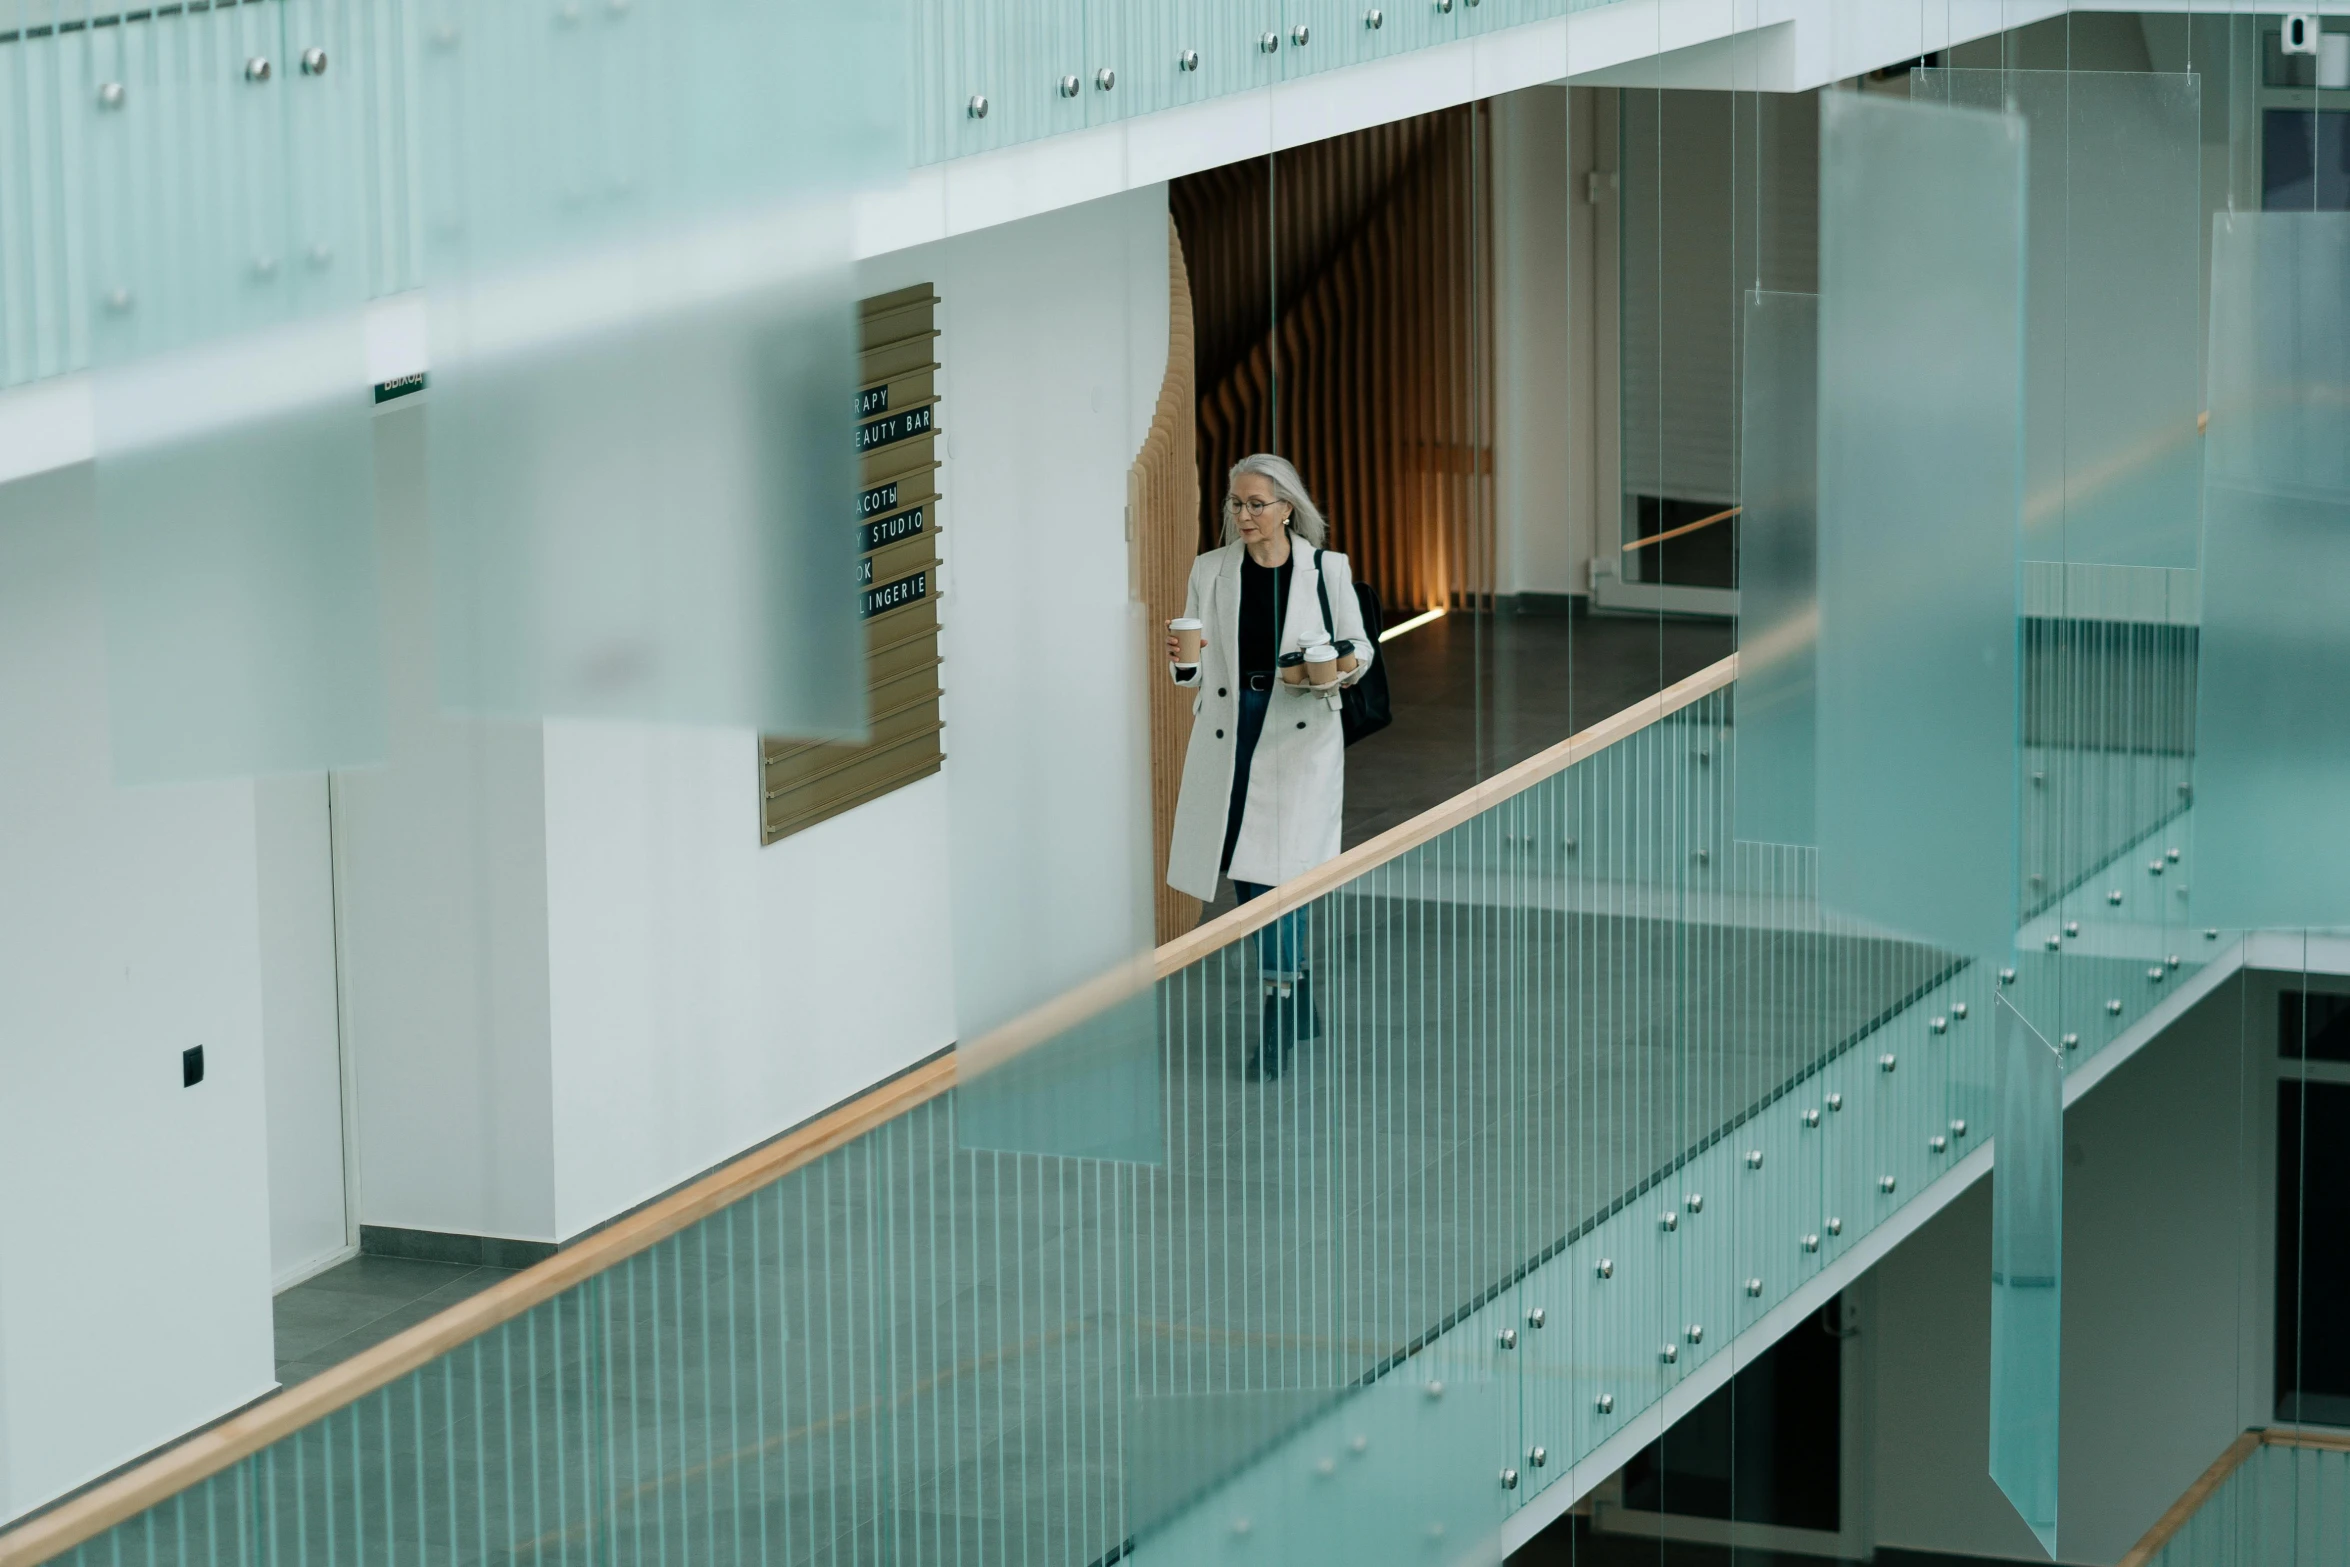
1054, 342
301, 1045
444, 890
706, 993
134, 1213
2162, 1217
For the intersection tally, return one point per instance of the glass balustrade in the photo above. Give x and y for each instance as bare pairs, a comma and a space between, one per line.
2284, 1497
1584, 1087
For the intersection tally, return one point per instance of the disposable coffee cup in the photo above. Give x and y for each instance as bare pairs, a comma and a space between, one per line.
1347, 662
1187, 640
1321, 664
1293, 669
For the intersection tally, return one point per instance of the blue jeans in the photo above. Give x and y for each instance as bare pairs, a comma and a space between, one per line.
1281, 946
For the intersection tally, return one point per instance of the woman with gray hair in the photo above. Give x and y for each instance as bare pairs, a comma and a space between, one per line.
1264, 777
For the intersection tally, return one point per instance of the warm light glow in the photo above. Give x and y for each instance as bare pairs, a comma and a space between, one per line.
1402, 626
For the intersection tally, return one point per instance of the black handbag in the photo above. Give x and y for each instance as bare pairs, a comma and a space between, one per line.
1362, 707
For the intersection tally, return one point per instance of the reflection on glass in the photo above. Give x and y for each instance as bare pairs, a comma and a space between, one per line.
2027, 1258
2112, 460
1778, 569
1921, 328
2273, 711
234, 475
643, 357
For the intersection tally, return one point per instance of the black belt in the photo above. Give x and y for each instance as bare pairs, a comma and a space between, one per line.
1258, 680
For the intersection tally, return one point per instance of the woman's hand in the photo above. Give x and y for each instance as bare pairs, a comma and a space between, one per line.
1173, 649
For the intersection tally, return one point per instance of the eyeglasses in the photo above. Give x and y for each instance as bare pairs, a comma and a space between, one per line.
1255, 508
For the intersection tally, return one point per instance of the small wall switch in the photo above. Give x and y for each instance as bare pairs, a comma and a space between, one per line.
191, 1066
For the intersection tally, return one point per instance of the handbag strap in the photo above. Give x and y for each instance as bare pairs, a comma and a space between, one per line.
1322, 589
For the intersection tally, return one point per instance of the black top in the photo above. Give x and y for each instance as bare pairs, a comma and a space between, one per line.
1264, 599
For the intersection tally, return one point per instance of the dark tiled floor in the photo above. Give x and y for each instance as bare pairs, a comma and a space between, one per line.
1474, 694
357, 1305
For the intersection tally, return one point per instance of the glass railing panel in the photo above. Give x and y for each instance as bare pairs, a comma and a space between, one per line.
234, 473
2272, 710
2027, 1251
2288, 1500
1917, 649
1553, 1039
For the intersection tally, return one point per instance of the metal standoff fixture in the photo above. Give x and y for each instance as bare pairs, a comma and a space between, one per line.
1695, 1202
1754, 1158
1940, 1025
1374, 19
1606, 1268
1105, 78
1886, 1063
2113, 1007
1696, 1332
1269, 43
2072, 1041
1958, 1010
1835, 1226
1835, 1102
1885, 1184
977, 107
1299, 34
1509, 1479
1811, 1243
1958, 1128
1754, 1288
1607, 1403
1509, 1338
314, 61
1938, 1143
1670, 1354
1811, 1118
1670, 1221
257, 68
110, 95
1188, 60
1435, 1389
1536, 1317
1538, 1456
1068, 86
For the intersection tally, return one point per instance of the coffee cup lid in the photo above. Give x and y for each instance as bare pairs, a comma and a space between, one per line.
1185, 624
1322, 653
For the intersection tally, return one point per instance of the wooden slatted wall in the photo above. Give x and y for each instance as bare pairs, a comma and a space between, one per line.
1162, 499
1343, 305
801, 782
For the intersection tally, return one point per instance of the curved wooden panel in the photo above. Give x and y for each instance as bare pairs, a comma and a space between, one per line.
1162, 499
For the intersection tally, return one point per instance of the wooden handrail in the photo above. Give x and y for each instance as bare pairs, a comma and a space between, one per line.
1687, 527
206, 1454
209, 1452
2192, 1500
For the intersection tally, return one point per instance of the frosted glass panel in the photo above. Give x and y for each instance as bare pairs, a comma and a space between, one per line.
1921, 326
2027, 1259
1778, 569
234, 472
2273, 707
643, 371
2113, 461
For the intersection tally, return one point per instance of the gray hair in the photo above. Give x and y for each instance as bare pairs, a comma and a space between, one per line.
1304, 517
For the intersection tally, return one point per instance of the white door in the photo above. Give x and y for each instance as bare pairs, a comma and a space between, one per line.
309, 1222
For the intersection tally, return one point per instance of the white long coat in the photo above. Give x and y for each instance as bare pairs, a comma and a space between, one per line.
1297, 779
